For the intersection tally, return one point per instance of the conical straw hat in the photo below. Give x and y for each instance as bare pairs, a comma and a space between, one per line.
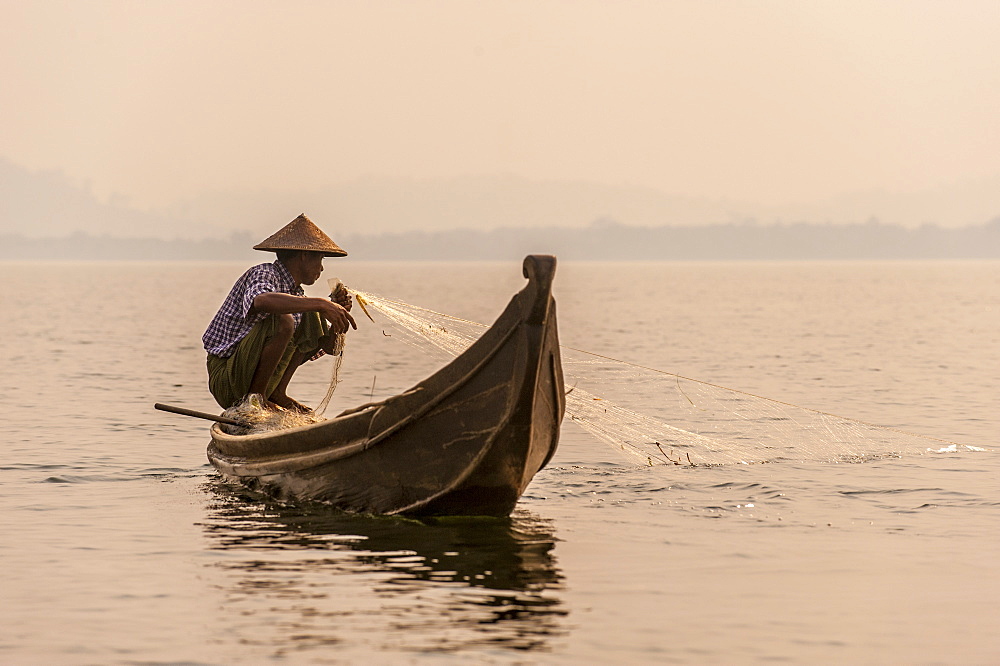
301, 234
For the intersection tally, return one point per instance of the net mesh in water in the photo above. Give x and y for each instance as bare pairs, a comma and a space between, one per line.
662, 418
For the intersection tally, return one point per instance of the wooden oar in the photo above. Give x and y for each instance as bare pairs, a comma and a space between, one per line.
200, 415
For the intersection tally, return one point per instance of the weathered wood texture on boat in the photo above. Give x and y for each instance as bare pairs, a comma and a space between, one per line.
465, 441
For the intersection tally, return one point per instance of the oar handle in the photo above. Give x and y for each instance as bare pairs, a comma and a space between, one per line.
200, 415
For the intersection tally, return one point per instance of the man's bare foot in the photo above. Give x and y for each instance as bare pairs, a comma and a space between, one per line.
290, 404
256, 401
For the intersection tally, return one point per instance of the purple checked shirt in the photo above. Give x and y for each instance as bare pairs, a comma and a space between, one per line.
233, 320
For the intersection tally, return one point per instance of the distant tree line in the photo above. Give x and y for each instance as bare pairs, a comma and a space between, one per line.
603, 240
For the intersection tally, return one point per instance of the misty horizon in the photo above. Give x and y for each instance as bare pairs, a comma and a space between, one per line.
603, 239
56, 207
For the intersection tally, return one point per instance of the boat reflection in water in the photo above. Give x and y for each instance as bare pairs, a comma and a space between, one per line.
305, 577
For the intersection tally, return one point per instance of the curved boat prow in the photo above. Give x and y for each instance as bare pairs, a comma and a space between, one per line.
540, 269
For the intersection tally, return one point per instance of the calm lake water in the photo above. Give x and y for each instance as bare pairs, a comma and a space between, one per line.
121, 545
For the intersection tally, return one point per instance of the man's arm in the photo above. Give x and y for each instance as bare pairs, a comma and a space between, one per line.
273, 302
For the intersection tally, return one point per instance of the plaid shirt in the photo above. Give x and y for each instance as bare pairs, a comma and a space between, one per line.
233, 321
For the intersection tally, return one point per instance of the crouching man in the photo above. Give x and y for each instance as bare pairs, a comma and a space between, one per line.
267, 327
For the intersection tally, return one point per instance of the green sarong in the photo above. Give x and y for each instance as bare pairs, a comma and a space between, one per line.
229, 378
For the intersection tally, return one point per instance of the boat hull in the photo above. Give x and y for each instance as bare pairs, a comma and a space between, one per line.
465, 441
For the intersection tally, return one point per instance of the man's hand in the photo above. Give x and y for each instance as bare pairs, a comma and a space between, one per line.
343, 298
338, 316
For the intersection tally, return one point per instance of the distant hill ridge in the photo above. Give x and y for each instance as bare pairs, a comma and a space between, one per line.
603, 240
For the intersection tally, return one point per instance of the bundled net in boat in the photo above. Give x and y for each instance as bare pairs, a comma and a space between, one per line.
662, 418
258, 418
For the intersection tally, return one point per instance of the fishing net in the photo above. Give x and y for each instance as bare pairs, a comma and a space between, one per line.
257, 418
337, 350
662, 418
338, 358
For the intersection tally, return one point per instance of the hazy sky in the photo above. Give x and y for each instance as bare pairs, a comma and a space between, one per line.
775, 102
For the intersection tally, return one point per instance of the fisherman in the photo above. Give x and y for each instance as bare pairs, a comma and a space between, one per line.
267, 327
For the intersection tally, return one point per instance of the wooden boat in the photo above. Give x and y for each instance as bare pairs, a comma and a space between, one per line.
465, 441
